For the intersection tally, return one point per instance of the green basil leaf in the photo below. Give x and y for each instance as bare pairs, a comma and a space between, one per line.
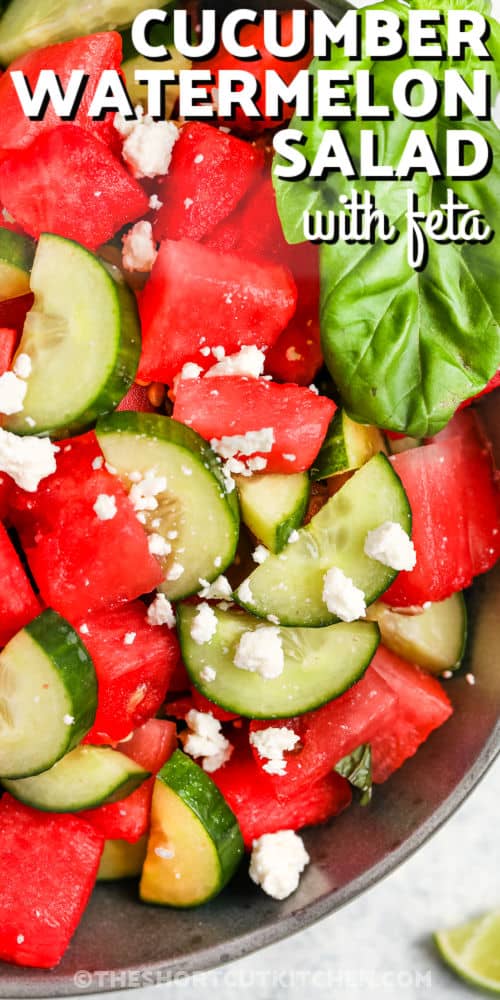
405, 348
357, 768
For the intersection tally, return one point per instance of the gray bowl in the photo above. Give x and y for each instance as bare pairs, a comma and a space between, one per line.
123, 943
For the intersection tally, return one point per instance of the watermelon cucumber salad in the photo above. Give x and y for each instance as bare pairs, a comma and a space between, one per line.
225, 606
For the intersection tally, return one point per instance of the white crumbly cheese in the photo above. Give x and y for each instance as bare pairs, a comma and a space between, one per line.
68, 720
84, 629
143, 494
148, 146
244, 444
175, 572
261, 652
290, 458
205, 739
260, 554
219, 590
219, 352
342, 597
257, 464
22, 366
390, 545
154, 203
130, 638
158, 546
139, 249
244, 593
12, 393
204, 625
249, 361
190, 370
98, 463
27, 460
188, 203
208, 675
105, 507
277, 862
271, 745
161, 612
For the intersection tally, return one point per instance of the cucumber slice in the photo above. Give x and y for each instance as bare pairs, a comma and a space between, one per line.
17, 253
120, 859
85, 778
290, 586
320, 664
83, 338
48, 696
347, 446
32, 24
273, 506
195, 508
191, 822
435, 639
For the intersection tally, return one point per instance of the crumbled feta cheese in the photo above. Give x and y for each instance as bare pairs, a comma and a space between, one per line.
143, 494
342, 597
244, 444
161, 612
390, 545
244, 593
205, 739
204, 625
84, 629
98, 463
199, 158
175, 572
219, 590
111, 469
22, 366
158, 546
205, 352
27, 460
261, 652
139, 250
188, 203
130, 638
20, 939
219, 353
470, 678
125, 126
30, 422
260, 554
189, 370
105, 507
68, 720
293, 538
271, 745
314, 389
290, 458
208, 675
148, 145
249, 361
154, 203
257, 464
277, 862
12, 393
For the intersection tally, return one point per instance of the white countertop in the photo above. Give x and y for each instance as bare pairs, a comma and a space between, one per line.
379, 945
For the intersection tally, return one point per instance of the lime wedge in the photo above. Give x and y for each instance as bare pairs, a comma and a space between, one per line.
473, 951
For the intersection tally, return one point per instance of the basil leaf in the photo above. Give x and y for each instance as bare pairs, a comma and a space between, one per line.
405, 348
357, 768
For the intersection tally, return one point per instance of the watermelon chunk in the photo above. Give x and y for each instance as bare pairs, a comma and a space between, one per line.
8, 344
18, 602
69, 183
49, 865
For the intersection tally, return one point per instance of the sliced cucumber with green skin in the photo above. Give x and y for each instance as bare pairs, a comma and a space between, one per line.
347, 446
195, 844
320, 664
195, 514
32, 24
17, 253
83, 338
435, 639
48, 696
120, 859
84, 779
273, 506
290, 586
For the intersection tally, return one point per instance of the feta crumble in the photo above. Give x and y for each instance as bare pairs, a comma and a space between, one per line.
244, 444
244, 593
261, 652
175, 572
158, 546
27, 460
208, 675
219, 352
219, 590
130, 638
161, 612
205, 739
154, 203
342, 597
68, 720
277, 862
260, 554
143, 494
148, 144
12, 393
204, 625
249, 361
271, 745
257, 464
98, 463
105, 507
139, 249
84, 629
293, 538
390, 545
22, 366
